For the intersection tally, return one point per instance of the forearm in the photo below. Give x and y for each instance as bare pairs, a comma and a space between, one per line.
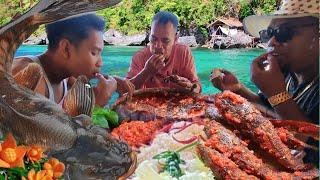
102, 101
257, 102
266, 111
249, 95
140, 79
290, 110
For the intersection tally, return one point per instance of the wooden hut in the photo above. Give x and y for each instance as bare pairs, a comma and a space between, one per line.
227, 33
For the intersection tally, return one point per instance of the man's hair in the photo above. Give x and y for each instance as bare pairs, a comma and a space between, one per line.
163, 17
74, 29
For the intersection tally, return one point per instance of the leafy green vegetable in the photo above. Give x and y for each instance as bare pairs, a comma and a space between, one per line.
37, 166
100, 120
172, 160
18, 172
105, 117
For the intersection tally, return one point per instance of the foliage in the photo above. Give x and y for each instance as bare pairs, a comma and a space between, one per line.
134, 16
105, 117
256, 7
245, 10
11, 8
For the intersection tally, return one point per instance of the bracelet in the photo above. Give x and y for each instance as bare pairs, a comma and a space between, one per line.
279, 98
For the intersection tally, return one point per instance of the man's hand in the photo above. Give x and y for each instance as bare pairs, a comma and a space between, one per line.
124, 86
268, 78
225, 80
104, 89
154, 64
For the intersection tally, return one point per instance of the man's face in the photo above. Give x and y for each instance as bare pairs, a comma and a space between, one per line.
298, 52
162, 38
86, 57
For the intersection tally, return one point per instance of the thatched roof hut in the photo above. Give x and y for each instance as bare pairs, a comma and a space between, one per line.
227, 33
230, 22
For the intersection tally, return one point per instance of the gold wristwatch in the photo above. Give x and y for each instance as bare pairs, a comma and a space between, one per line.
279, 98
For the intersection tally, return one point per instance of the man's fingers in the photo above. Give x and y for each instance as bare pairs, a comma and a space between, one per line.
226, 72
106, 76
217, 82
99, 76
111, 79
257, 63
272, 61
130, 86
159, 61
259, 60
174, 77
216, 73
183, 82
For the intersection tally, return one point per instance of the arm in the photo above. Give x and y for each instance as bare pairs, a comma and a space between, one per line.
124, 86
139, 79
290, 110
248, 94
272, 82
192, 72
103, 91
189, 78
225, 80
140, 73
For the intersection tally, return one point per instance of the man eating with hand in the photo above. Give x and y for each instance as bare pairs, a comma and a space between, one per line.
164, 63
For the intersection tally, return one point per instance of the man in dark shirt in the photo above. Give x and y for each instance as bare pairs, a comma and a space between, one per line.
306, 95
288, 74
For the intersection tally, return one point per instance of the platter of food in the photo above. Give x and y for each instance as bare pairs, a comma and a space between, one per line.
182, 135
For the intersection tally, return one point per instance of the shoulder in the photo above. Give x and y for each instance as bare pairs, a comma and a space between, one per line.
19, 63
142, 55
182, 51
143, 52
181, 47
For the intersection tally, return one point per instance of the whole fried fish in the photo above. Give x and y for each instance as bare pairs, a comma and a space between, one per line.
33, 119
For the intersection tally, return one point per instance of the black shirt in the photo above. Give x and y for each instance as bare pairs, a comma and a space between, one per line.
306, 95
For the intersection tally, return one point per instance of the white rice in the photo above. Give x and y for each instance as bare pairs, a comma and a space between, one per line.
164, 142
193, 169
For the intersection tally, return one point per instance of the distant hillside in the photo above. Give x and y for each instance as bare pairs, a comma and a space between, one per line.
134, 16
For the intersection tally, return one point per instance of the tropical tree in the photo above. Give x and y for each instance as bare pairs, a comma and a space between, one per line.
134, 16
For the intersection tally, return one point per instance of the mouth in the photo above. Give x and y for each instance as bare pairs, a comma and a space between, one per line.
158, 52
275, 54
272, 51
94, 74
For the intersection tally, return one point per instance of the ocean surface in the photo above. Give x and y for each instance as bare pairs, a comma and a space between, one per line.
117, 61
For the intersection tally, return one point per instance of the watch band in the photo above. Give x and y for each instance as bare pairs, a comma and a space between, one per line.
279, 98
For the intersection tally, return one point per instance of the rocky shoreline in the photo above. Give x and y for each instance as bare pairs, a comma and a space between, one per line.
116, 38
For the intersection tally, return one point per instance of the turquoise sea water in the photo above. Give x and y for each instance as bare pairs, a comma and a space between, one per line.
117, 61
